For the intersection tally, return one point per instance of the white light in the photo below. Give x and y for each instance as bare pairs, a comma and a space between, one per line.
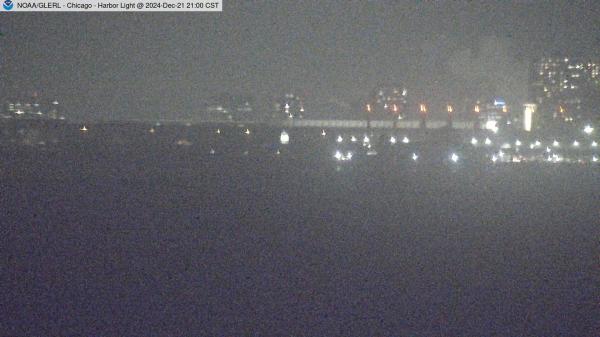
278, 152
517, 143
575, 143
594, 158
247, 131
218, 131
505, 146
548, 149
339, 139
353, 139
366, 139
340, 156
594, 144
474, 141
454, 157
393, 140
212, 151
494, 158
528, 116
405, 140
488, 141
555, 143
537, 143
415, 157
83, 128
588, 129
492, 125
501, 154
151, 130
284, 138
323, 133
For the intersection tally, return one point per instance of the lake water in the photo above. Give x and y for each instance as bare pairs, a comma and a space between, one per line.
106, 236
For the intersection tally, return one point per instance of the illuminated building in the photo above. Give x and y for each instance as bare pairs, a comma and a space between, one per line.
566, 88
390, 100
528, 112
230, 107
31, 108
291, 106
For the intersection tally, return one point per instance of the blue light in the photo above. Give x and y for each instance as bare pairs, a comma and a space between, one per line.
499, 102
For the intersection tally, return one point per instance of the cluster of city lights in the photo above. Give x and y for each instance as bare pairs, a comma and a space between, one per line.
514, 151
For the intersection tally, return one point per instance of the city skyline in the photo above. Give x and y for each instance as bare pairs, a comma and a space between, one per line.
163, 66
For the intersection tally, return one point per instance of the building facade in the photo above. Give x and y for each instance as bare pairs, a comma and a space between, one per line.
566, 89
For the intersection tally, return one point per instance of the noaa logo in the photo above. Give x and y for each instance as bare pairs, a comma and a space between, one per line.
8, 5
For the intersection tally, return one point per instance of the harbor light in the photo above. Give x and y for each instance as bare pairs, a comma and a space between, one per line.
575, 143
218, 131
415, 156
366, 139
474, 141
405, 140
323, 133
393, 140
83, 129
454, 157
339, 139
488, 141
588, 129
284, 138
555, 143
247, 131
353, 139
594, 144
518, 143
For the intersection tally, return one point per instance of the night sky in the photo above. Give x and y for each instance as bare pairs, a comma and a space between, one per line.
151, 65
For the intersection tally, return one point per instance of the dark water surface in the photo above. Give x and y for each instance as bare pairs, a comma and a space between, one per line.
164, 241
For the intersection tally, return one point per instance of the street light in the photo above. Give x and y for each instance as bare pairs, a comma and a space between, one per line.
395, 110
476, 111
369, 110
423, 114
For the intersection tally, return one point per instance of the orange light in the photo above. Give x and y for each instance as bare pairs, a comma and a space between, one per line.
422, 108
395, 108
368, 107
476, 108
449, 108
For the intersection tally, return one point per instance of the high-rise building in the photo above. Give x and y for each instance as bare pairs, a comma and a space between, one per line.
566, 88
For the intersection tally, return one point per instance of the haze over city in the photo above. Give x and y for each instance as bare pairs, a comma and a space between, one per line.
165, 65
